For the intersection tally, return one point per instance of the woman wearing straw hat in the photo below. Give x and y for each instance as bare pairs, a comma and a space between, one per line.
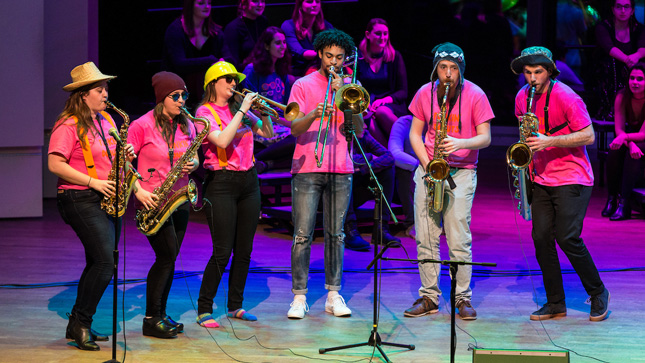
231, 188
160, 138
80, 154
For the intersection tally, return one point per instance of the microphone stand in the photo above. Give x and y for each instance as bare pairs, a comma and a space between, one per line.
115, 254
374, 338
454, 265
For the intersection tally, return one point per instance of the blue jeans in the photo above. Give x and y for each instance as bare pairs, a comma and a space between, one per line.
232, 216
457, 205
306, 189
81, 209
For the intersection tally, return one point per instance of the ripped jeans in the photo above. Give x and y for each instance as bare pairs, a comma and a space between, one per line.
306, 189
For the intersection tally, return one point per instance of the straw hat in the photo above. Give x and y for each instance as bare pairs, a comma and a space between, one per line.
220, 69
85, 74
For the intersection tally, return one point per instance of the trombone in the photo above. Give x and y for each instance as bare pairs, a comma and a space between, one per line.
290, 111
349, 97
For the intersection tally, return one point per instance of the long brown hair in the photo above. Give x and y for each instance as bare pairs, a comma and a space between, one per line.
364, 46
261, 58
626, 101
302, 32
209, 28
76, 107
163, 123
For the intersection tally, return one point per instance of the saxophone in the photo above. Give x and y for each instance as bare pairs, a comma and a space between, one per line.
121, 169
519, 156
150, 221
438, 168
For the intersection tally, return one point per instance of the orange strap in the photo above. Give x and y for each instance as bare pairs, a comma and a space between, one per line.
221, 153
87, 150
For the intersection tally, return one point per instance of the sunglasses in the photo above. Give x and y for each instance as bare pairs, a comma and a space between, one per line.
175, 96
229, 79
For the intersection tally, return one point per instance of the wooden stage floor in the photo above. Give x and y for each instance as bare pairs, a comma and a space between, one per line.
45, 255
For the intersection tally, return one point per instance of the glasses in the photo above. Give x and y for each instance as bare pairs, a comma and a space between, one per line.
175, 96
626, 7
229, 79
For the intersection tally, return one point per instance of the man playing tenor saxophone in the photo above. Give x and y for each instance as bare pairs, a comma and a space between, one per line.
562, 181
458, 115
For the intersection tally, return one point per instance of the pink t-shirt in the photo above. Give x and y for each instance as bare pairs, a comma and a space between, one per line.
555, 166
64, 141
152, 151
475, 109
309, 91
239, 153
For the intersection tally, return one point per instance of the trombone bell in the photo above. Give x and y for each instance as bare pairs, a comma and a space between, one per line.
353, 97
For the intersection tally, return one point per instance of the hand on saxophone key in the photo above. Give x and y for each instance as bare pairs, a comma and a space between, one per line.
451, 144
106, 187
148, 199
539, 142
129, 152
190, 166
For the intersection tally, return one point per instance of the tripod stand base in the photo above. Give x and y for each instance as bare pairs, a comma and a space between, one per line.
373, 341
112, 361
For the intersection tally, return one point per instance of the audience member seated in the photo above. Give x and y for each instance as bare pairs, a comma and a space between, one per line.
192, 43
243, 32
622, 42
267, 72
406, 162
305, 23
382, 72
625, 162
382, 163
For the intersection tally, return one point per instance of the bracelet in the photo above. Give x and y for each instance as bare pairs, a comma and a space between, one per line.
243, 113
88, 182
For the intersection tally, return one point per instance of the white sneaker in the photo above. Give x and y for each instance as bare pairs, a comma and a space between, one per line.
336, 305
298, 309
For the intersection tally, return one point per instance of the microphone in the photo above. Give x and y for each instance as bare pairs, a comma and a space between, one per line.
115, 134
348, 127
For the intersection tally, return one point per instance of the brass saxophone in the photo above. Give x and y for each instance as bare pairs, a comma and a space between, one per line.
519, 156
150, 221
121, 168
438, 168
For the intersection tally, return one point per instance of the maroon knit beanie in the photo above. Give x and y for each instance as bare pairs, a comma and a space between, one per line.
164, 83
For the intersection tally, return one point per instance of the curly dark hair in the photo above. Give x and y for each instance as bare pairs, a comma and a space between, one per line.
331, 37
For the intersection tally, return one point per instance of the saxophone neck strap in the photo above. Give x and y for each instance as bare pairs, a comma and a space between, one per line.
221, 153
548, 131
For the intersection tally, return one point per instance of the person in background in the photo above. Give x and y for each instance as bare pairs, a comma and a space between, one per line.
192, 43
305, 23
243, 32
625, 160
382, 72
231, 189
80, 155
267, 72
160, 138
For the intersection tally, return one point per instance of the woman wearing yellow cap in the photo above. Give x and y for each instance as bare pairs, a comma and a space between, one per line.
231, 188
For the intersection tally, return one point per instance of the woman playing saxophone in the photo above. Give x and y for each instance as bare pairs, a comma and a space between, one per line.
160, 138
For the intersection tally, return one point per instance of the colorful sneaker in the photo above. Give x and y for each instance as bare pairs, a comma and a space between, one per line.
298, 309
423, 306
336, 305
466, 310
599, 306
550, 311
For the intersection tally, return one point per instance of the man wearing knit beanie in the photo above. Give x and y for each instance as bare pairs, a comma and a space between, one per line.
456, 131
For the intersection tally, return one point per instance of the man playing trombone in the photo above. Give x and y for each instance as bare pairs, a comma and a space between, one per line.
321, 166
458, 115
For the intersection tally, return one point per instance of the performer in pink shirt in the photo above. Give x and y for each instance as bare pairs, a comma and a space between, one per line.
562, 181
160, 138
81, 154
332, 180
231, 188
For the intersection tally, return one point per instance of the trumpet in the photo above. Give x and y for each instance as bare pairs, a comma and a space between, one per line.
290, 111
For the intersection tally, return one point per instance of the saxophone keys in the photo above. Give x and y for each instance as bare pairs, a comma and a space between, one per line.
517, 194
516, 183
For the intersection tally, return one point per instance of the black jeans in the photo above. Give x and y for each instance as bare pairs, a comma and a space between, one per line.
81, 209
166, 244
232, 211
558, 214
623, 172
361, 193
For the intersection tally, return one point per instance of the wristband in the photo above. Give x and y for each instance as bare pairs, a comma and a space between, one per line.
88, 182
243, 113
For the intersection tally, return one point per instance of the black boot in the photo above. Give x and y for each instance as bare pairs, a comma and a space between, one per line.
158, 328
623, 211
180, 326
385, 238
96, 336
353, 239
81, 334
610, 208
